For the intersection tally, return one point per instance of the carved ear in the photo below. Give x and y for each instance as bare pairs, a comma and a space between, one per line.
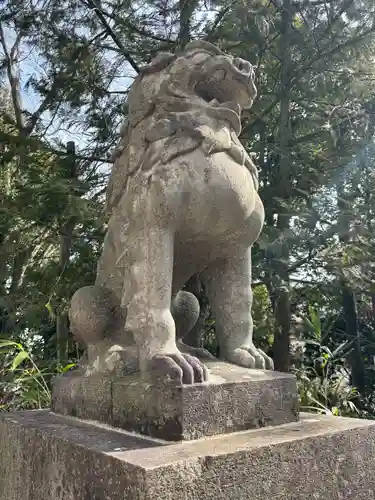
160, 62
197, 45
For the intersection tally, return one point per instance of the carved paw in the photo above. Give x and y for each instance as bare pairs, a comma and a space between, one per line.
180, 367
198, 352
250, 357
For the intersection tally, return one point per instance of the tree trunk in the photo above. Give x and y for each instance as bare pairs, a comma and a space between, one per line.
187, 8
66, 238
348, 299
349, 305
281, 348
373, 305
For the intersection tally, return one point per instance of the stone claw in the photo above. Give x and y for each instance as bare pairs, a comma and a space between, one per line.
250, 357
198, 352
182, 368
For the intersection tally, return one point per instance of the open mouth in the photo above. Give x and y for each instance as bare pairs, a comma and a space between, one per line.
226, 85
204, 94
216, 94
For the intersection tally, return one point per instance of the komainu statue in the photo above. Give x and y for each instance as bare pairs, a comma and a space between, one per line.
182, 199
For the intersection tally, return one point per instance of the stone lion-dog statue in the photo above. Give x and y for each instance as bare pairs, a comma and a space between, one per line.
182, 199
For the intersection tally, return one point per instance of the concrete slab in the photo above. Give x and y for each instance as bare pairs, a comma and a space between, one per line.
44, 456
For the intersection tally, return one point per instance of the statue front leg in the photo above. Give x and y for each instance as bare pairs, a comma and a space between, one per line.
149, 316
228, 286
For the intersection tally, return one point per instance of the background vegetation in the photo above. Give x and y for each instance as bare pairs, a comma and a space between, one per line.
65, 68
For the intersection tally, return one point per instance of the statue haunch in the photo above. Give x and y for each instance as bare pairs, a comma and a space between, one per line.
182, 199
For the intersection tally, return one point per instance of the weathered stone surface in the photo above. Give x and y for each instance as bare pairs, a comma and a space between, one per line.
48, 457
87, 397
235, 399
182, 199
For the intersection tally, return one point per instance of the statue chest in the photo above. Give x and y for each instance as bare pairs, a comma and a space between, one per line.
222, 193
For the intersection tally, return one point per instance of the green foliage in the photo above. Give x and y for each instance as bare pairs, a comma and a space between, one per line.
24, 383
323, 381
263, 318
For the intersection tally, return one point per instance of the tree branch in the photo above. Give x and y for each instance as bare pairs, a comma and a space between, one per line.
337, 17
300, 72
219, 17
99, 14
310, 3
330, 53
137, 29
49, 98
78, 156
10, 59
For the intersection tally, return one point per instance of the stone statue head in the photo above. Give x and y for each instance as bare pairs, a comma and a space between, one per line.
201, 72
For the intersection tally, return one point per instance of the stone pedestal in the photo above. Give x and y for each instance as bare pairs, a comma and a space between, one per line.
236, 437
44, 456
234, 399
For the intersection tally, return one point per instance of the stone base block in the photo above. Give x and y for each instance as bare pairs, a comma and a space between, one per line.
44, 456
234, 399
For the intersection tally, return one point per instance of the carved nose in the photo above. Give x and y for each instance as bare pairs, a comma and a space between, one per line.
243, 66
